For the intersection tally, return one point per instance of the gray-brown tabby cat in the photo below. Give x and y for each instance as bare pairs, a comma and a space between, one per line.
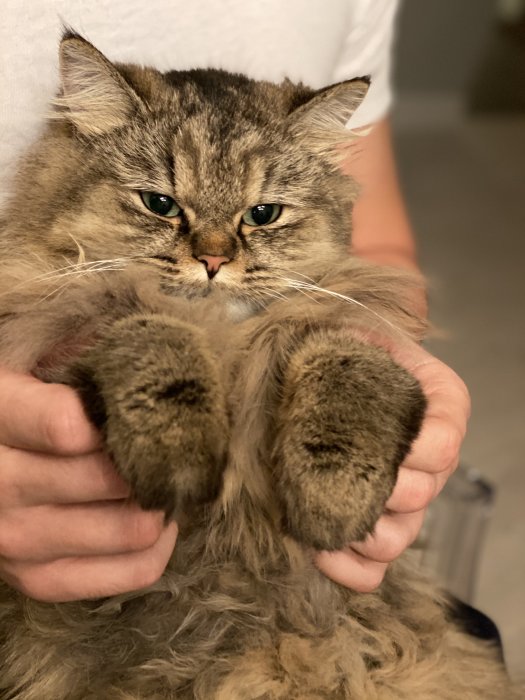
176, 248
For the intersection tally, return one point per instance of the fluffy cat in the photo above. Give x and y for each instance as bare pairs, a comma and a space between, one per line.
176, 249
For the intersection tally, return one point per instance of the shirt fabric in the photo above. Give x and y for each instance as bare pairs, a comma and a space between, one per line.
318, 42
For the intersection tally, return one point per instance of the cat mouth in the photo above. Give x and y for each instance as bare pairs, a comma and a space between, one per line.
174, 281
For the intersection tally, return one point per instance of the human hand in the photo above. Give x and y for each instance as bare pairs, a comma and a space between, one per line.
67, 528
433, 458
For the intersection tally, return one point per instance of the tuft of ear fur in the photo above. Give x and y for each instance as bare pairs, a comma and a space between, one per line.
321, 121
94, 95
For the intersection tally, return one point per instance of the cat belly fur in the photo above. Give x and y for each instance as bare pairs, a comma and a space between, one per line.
185, 639
241, 613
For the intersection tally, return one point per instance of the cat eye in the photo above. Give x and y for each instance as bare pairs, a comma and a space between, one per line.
261, 214
160, 204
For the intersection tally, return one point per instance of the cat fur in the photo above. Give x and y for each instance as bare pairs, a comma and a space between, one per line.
251, 407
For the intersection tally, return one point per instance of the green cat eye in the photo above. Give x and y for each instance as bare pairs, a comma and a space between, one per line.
160, 204
261, 214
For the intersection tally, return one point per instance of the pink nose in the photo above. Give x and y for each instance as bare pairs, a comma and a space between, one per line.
213, 263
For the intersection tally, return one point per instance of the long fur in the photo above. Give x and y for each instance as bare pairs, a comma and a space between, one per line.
98, 293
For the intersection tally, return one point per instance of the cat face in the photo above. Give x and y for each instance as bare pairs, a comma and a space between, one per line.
212, 180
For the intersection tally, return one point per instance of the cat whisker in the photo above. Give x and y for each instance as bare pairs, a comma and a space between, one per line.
81, 273
54, 292
273, 293
81, 252
301, 286
309, 296
72, 269
300, 274
92, 263
266, 291
77, 274
297, 284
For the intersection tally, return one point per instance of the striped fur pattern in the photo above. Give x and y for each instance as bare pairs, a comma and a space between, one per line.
241, 400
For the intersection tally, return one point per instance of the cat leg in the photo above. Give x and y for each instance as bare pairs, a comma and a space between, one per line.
152, 386
347, 419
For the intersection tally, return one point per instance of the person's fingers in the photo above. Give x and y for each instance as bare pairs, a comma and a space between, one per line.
393, 533
414, 490
45, 533
350, 569
435, 453
433, 457
437, 447
362, 565
43, 417
93, 577
32, 478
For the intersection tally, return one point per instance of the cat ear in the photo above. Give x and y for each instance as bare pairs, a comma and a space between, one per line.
322, 120
94, 96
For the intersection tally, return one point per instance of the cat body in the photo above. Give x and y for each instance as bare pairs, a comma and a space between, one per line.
184, 265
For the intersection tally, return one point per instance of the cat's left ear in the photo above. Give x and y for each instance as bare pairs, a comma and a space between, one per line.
321, 121
94, 96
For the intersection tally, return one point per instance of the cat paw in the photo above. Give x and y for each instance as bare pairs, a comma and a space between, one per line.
348, 417
150, 384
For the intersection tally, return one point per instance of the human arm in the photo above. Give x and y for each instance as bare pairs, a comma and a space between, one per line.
382, 230
382, 234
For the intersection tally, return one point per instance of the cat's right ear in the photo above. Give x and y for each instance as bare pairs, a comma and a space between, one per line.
94, 96
320, 121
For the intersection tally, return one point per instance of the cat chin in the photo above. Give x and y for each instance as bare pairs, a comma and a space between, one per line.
189, 291
240, 309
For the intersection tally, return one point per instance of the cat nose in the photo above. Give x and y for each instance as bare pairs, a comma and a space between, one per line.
213, 263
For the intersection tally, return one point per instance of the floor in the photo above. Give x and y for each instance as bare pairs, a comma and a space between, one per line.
465, 187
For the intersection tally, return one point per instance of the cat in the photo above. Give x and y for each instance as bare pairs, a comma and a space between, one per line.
176, 249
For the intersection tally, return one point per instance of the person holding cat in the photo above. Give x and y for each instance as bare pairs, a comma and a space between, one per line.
67, 530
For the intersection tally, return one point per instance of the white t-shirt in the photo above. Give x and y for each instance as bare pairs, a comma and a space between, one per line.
318, 42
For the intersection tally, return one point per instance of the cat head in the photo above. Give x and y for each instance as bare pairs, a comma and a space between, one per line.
213, 180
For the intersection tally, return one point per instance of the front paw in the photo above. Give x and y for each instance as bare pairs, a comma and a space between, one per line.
151, 385
348, 417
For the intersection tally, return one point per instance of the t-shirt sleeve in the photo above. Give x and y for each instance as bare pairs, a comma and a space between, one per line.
367, 51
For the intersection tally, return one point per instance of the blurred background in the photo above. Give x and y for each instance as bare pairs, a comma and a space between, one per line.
460, 137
